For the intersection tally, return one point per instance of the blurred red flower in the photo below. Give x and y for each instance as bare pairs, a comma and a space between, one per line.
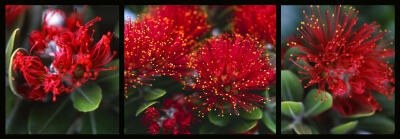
176, 119
257, 20
190, 19
13, 12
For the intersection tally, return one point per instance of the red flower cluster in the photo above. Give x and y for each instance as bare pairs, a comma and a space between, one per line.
347, 60
177, 119
150, 119
13, 12
158, 43
191, 19
152, 48
74, 59
224, 68
33, 71
256, 20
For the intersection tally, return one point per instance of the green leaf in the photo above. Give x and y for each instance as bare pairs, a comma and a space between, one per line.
377, 124
315, 106
387, 105
154, 94
17, 121
10, 46
285, 127
144, 107
291, 87
361, 115
302, 129
255, 114
241, 126
137, 9
116, 30
109, 80
51, 118
291, 108
10, 101
208, 128
131, 91
290, 53
314, 131
267, 119
87, 97
13, 76
102, 121
220, 121
266, 93
344, 128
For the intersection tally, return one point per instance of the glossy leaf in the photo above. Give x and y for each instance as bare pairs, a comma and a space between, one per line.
87, 97
144, 107
10, 101
10, 46
154, 94
377, 124
315, 106
361, 115
220, 121
208, 128
51, 118
314, 131
116, 30
291, 87
289, 65
285, 127
302, 129
13, 76
109, 80
269, 121
255, 114
101, 121
241, 126
291, 108
17, 121
344, 128
387, 105
131, 91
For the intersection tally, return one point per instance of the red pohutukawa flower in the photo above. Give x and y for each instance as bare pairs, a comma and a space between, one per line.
191, 19
153, 48
176, 119
75, 59
158, 43
225, 67
150, 119
256, 20
13, 12
347, 61
34, 72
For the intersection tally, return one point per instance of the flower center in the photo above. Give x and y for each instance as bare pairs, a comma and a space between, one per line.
228, 88
79, 70
342, 87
